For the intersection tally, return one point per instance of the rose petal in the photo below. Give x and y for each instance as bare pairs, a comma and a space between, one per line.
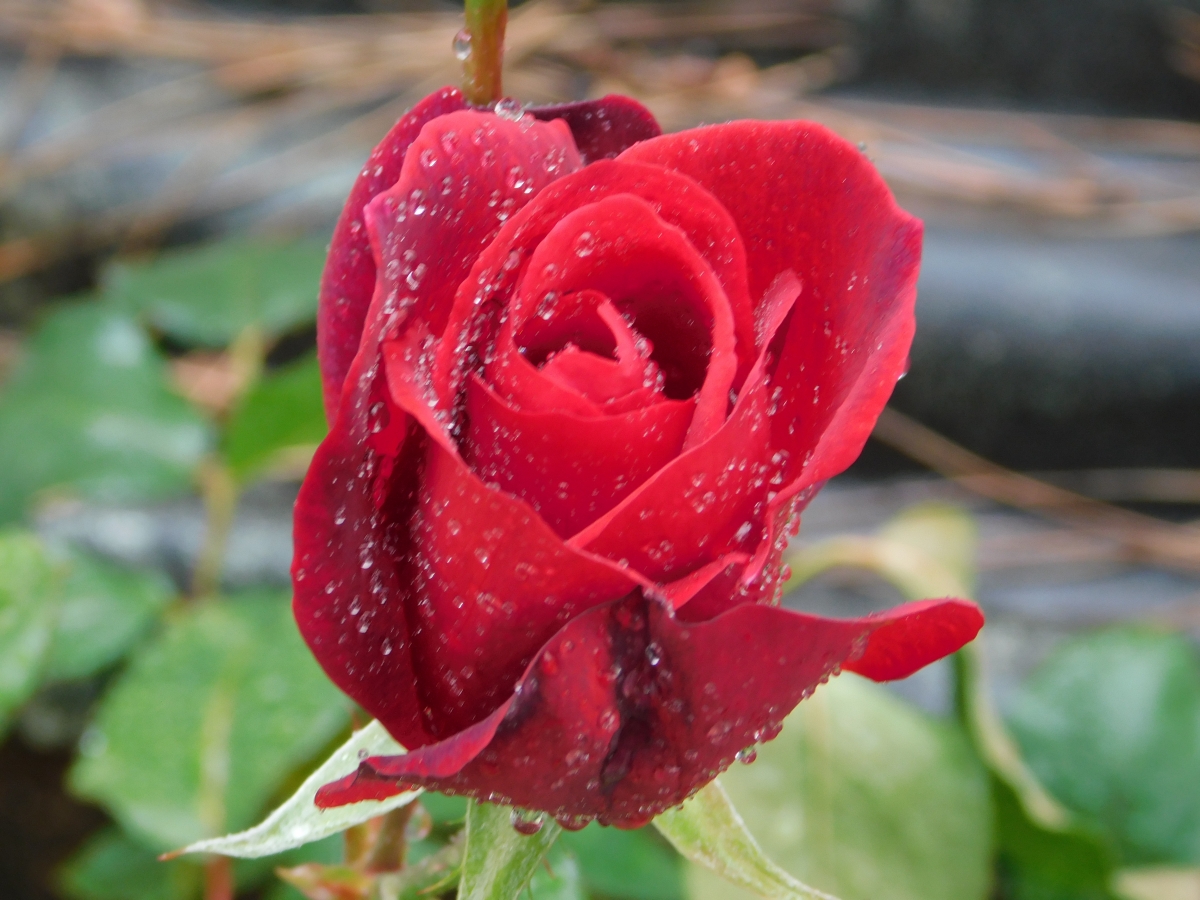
621, 248
712, 499
569, 468
360, 491
456, 162
910, 640
805, 199
488, 581
679, 202
628, 710
349, 277
603, 128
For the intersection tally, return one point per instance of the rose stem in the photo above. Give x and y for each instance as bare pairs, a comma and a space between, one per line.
486, 20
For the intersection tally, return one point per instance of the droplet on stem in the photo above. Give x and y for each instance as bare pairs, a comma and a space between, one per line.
462, 45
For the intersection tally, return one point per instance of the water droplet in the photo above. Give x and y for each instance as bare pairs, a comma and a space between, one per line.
747, 755
462, 44
653, 654
585, 244
414, 277
509, 109
526, 823
428, 158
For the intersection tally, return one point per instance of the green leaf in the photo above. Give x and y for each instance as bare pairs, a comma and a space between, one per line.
111, 866
1111, 724
207, 723
1044, 852
28, 607
89, 410
105, 610
559, 879
210, 295
636, 865
708, 831
868, 798
499, 860
282, 410
298, 821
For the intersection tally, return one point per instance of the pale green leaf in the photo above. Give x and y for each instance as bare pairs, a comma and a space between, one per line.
708, 831
298, 821
499, 860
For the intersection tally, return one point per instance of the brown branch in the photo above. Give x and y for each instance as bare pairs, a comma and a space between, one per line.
1142, 538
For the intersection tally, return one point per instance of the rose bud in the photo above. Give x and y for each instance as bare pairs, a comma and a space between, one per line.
582, 379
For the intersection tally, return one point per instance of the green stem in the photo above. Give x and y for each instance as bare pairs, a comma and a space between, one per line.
486, 20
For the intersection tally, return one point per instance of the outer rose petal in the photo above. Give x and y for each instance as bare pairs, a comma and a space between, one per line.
349, 278
361, 490
627, 710
805, 199
603, 128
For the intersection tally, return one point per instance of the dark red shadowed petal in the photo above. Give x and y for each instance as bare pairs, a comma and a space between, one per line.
357, 500
627, 710
569, 468
349, 278
805, 199
488, 582
603, 128
678, 201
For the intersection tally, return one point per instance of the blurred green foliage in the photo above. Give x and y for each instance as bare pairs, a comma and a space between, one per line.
88, 409
208, 296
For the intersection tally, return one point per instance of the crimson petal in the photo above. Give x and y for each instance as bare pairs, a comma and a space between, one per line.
349, 277
603, 128
627, 710
361, 489
805, 199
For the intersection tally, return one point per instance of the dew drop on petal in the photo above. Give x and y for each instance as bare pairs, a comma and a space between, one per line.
747, 755
585, 244
526, 823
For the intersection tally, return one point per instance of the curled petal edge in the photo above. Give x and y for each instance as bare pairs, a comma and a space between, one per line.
685, 719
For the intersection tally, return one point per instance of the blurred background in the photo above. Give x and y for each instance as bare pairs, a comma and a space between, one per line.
169, 175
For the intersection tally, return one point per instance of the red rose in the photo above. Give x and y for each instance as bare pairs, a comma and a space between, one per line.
577, 403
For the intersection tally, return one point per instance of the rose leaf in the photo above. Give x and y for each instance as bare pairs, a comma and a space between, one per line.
89, 410
708, 830
869, 798
298, 821
208, 296
207, 722
1111, 725
283, 411
500, 860
105, 610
